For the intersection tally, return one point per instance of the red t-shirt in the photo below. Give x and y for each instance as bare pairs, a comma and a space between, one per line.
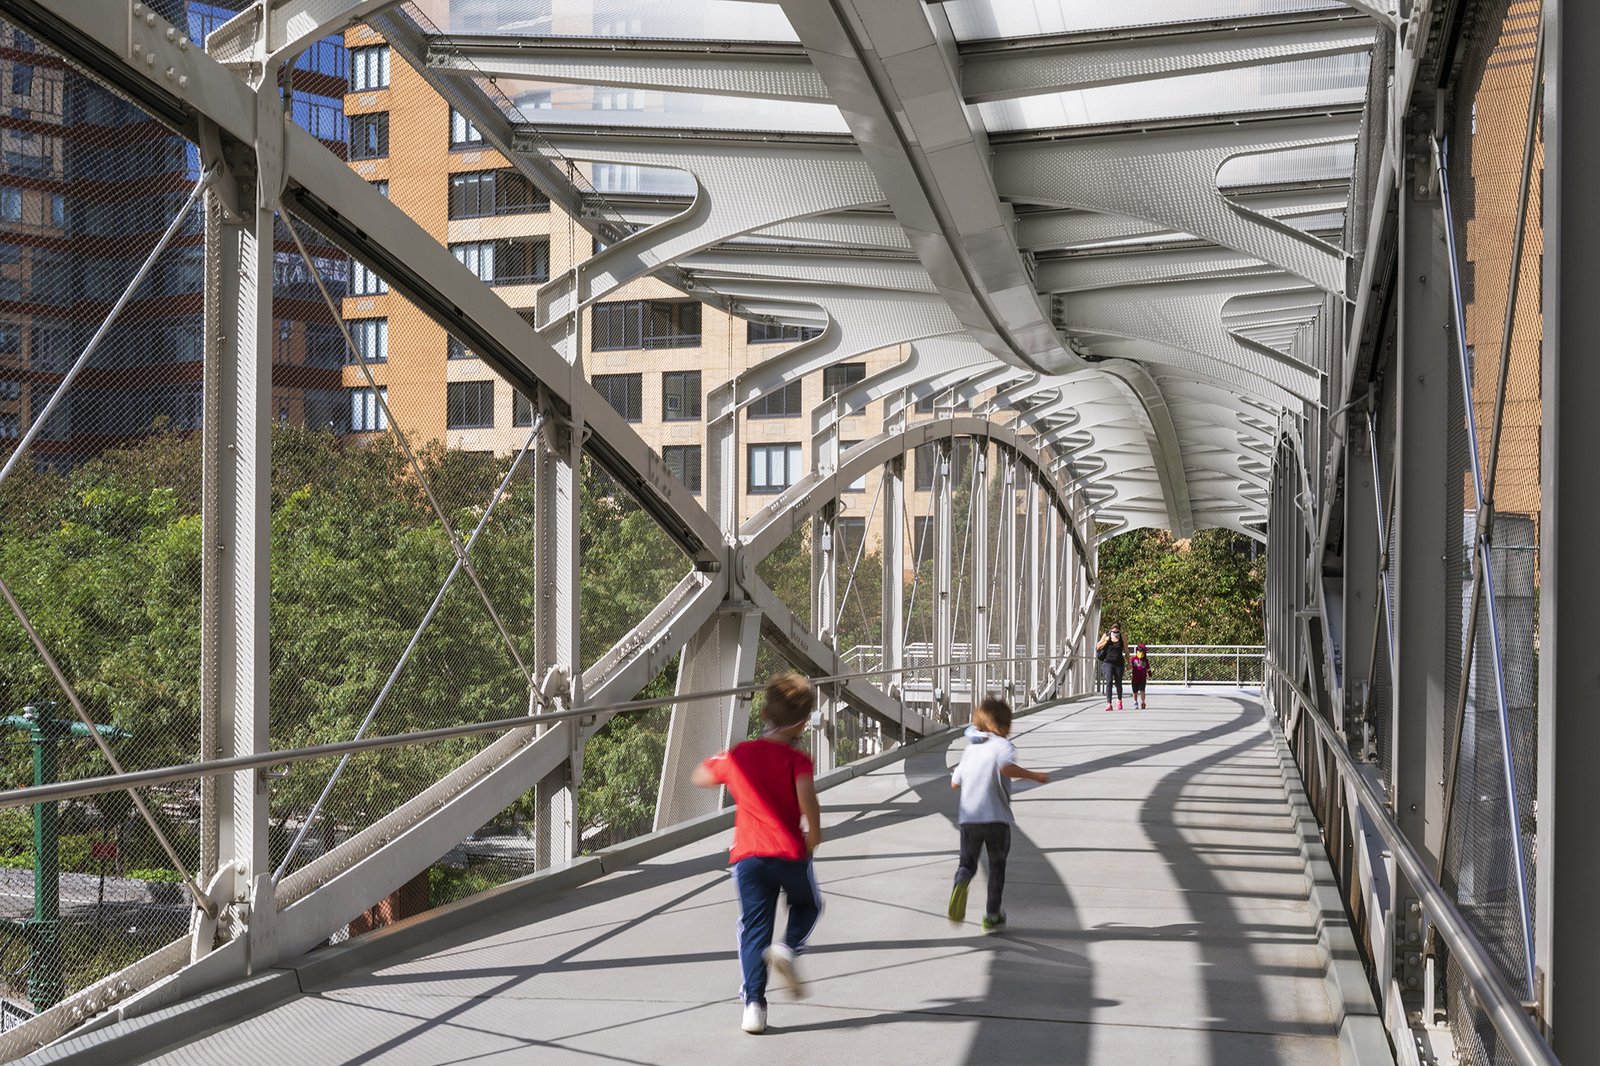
760, 776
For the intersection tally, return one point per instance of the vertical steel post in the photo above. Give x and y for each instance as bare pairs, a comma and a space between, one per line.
1423, 495
893, 550
1567, 948
943, 575
1358, 578
979, 566
236, 479
1052, 592
557, 473
1031, 586
824, 578
1009, 578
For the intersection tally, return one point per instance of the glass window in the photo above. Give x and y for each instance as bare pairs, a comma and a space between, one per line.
683, 462
785, 403
381, 188
841, 376
515, 260
921, 547
680, 396
366, 414
646, 324
463, 134
454, 349
369, 135
851, 532
925, 405
10, 204
486, 193
469, 405
372, 339
625, 392
58, 210
778, 332
521, 410
860, 483
369, 68
773, 467
363, 282
926, 462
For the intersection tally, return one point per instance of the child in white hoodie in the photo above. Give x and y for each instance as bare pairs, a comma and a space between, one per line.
984, 776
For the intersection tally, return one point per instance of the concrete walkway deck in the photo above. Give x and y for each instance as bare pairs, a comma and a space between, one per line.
1158, 914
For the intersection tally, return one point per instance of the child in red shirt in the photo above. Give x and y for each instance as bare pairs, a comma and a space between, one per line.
771, 782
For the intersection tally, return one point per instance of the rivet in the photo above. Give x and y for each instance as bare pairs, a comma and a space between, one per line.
150, 19
138, 9
171, 73
150, 59
172, 33
183, 81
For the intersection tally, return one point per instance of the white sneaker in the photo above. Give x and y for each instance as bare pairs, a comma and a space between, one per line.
755, 1018
780, 960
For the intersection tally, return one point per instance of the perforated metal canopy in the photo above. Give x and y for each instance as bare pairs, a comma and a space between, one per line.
1124, 220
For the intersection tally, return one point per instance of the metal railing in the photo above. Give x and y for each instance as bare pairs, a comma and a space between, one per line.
1239, 665
85, 787
1503, 1008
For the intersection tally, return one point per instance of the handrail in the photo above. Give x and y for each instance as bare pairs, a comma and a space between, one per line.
166, 775
1505, 1010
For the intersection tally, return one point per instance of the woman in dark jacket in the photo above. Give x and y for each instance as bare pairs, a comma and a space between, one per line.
1112, 651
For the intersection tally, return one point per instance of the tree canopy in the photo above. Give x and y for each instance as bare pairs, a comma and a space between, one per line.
1205, 590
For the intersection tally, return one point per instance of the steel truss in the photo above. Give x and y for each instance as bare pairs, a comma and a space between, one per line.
1117, 338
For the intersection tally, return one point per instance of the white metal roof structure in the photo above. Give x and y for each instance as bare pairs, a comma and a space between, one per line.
1134, 211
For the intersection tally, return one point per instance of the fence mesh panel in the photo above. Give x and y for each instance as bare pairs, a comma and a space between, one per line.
1486, 153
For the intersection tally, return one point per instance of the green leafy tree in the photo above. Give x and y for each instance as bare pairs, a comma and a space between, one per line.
1206, 590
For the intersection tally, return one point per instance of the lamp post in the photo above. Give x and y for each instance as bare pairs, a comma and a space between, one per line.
46, 964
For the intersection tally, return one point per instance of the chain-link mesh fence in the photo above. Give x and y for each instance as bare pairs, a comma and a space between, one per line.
1492, 800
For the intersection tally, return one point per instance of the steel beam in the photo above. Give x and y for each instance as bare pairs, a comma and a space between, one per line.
1001, 70
1423, 496
1568, 928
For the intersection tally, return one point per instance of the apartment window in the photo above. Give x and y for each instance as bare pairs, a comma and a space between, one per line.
926, 462
487, 193
773, 467
369, 68
680, 396
860, 483
785, 403
925, 405
363, 282
58, 210
454, 349
841, 376
850, 532
513, 261
366, 414
369, 135
381, 188
921, 548
463, 134
372, 339
521, 410
469, 405
646, 324
778, 332
683, 462
10, 426
625, 392
10, 204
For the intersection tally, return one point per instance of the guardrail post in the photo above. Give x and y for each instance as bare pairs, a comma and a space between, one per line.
978, 564
556, 478
893, 549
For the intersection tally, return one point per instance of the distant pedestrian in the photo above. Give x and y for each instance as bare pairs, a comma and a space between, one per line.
771, 782
1111, 651
984, 776
1138, 674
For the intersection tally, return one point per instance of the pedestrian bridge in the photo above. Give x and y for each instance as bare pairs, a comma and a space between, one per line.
1162, 898
1048, 272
